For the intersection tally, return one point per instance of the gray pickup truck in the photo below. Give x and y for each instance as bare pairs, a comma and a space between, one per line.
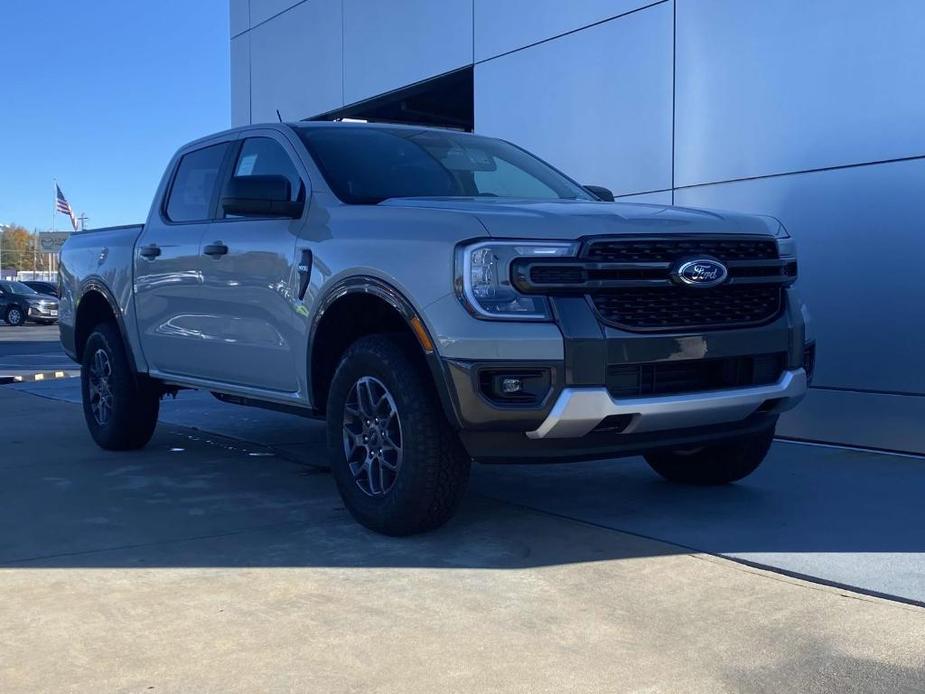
437, 297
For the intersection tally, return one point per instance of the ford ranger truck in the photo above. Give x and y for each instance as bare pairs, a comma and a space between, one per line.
438, 298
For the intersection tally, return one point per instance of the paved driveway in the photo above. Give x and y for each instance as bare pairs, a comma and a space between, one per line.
836, 515
31, 348
207, 564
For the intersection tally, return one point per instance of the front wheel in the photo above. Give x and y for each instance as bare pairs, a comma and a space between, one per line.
119, 406
399, 467
15, 316
718, 463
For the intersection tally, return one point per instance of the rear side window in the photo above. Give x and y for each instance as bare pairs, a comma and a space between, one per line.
194, 185
261, 156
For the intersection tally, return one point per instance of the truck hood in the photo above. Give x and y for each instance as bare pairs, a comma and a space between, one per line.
570, 219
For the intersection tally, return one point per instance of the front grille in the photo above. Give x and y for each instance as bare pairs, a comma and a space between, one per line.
633, 283
557, 274
669, 308
668, 250
694, 375
752, 295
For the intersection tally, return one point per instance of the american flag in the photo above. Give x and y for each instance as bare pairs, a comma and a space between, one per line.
62, 206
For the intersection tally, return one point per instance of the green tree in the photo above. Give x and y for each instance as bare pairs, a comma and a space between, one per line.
17, 249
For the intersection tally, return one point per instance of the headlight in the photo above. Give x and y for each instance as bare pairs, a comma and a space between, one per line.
787, 248
483, 278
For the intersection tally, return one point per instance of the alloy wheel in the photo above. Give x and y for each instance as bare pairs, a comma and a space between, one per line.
372, 436
101, 387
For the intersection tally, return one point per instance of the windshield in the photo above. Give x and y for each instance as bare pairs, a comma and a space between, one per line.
17, 288
366, 165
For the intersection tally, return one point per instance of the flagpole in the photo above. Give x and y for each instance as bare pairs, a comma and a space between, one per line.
54, 207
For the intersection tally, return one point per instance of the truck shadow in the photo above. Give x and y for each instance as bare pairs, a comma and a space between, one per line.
198, 500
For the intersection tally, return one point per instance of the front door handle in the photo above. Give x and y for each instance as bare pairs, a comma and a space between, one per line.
150, 252
216, 250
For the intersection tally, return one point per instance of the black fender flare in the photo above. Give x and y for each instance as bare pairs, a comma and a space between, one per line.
366, 284
96, 285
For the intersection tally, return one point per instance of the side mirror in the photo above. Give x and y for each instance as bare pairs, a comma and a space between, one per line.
260, 196
600, 192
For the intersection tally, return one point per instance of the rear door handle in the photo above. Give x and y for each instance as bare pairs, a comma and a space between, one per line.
216, 250
151, 251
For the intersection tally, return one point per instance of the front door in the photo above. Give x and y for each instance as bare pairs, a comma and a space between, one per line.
250, 280
168, 266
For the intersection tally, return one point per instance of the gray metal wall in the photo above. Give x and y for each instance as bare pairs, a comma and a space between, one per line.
810, 111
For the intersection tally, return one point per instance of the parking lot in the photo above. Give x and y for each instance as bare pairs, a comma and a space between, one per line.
31, 349
220, 558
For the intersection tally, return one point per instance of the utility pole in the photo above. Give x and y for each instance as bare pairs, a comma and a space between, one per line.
83, 221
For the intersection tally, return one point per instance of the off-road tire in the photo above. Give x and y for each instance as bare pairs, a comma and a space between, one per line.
434, 471
719, 463
135, 402
15, 316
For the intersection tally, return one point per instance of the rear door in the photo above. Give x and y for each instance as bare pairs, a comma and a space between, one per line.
172, 320
250, 280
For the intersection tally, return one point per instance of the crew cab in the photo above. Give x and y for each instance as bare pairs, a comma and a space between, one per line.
438, 298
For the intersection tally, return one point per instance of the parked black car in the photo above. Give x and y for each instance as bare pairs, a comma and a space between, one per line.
19, 303
49, 288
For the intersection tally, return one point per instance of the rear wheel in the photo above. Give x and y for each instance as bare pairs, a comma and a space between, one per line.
719, 463
399, 467
119, 406
15, 316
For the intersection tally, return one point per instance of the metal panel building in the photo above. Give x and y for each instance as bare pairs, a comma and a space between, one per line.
808, 111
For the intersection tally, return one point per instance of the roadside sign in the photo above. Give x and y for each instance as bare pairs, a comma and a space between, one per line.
51, 241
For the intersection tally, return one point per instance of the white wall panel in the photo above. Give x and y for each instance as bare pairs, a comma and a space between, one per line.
240, 80
789, 85
506, 25
296, 62
262, 10
875, 420
861, 240
239, 16
596, 103
393, 44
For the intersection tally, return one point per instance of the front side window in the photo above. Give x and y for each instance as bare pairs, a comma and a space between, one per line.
366, 165
261, 156
194, 184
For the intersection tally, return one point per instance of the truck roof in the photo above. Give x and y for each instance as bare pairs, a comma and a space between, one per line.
316, 124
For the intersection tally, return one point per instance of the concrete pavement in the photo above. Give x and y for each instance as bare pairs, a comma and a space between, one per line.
204, 563
31, 349
848, 517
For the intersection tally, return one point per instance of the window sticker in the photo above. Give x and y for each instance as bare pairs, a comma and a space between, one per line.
246, 165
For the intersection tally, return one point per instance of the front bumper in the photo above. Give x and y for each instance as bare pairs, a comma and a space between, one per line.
573, 421
43, 312
579, 410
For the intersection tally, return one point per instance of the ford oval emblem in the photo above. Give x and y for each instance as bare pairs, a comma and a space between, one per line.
702, 272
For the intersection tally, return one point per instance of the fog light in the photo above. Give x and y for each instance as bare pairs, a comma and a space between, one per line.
511, 385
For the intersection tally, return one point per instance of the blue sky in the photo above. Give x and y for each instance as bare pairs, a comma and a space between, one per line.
99, 94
